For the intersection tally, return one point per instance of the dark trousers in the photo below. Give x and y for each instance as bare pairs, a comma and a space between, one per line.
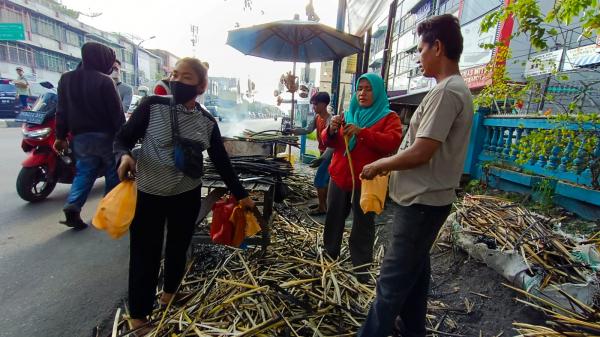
362, 235
404, 278
146, 241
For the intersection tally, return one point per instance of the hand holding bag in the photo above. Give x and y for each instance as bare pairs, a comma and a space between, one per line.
117, 209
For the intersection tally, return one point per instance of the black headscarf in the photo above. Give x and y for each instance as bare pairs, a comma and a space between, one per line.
96, 56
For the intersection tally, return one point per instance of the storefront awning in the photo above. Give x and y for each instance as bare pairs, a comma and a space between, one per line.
590, 60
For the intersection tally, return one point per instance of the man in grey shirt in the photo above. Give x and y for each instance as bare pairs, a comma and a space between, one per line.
125, 91
427, 170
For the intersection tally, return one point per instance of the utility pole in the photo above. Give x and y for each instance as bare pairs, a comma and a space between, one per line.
337, 64
194, 39
388, 42
136, 64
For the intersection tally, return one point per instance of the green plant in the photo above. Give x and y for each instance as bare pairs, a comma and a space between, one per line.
545, 191
536, 25
475, 186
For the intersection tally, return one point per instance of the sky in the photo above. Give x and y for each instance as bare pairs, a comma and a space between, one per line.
170, 21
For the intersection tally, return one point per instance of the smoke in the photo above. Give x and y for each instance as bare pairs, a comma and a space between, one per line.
233, 127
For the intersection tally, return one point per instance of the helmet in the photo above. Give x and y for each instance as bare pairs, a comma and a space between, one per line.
143, 90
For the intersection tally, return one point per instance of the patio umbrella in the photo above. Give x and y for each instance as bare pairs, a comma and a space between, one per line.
294, 41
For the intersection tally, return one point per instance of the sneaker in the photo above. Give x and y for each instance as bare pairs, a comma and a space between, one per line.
313, 206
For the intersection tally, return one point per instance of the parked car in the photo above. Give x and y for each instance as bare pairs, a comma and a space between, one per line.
8, 98
9, 105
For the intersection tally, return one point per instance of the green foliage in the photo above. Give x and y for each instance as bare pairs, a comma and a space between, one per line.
475, 187
545, 192
544, 143
530, 18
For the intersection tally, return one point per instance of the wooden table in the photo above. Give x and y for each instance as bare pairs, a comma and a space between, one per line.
217, 189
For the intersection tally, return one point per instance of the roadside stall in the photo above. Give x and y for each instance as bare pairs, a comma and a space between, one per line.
254, 157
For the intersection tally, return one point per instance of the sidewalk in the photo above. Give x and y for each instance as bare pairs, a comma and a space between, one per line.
9, 123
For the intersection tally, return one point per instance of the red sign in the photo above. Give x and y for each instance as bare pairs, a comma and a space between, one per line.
476, 77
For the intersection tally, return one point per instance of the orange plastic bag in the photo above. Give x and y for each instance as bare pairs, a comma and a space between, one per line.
116, 210
252, 226
244, 223
373, 193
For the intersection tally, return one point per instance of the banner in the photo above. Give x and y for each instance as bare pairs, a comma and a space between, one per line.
362, 14
476, 77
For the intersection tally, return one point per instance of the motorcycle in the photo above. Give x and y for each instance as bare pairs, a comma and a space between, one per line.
44, 167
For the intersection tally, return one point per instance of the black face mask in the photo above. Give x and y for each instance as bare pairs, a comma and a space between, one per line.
182, 92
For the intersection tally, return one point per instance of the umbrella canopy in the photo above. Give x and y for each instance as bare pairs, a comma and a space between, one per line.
294, 41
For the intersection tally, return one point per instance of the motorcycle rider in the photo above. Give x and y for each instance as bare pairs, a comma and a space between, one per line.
89, 107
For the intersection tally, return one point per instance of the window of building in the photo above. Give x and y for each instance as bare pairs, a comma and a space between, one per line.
45, 27
71, 64
73, 38
127, 56
400, 82
14, 53
406, 40
407, 5
405, 63
50, 61
10, 15
473, 9
448, 6
422, 12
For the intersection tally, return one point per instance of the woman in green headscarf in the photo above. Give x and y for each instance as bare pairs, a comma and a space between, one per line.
368, 131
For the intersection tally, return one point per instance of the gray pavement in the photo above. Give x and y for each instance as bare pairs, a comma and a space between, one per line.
55, 281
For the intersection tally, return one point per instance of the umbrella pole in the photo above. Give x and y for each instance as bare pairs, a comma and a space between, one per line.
292, 113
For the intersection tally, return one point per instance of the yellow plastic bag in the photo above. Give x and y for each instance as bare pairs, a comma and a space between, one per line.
373, 193
116, 210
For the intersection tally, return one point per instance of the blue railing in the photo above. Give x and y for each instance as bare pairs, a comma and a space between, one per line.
494, 155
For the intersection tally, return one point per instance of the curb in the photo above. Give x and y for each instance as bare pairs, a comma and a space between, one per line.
9, 123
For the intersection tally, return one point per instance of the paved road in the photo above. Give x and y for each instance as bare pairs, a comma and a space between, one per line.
55, 281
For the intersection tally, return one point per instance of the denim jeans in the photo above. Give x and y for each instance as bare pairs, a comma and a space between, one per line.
322, 175
23, 101
93, 157
403, 282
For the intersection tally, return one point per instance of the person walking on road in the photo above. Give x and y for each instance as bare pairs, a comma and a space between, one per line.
320, 101
89, 109
23, 90
368, 131
166, 194
125, 90
427, 170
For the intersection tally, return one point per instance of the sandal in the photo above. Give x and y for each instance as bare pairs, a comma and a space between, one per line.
178, 297
142, 329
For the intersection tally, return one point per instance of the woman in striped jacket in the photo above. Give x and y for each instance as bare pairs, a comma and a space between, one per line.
165, 194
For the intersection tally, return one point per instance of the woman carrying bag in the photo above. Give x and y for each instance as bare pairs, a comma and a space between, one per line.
368, 131
168, 172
